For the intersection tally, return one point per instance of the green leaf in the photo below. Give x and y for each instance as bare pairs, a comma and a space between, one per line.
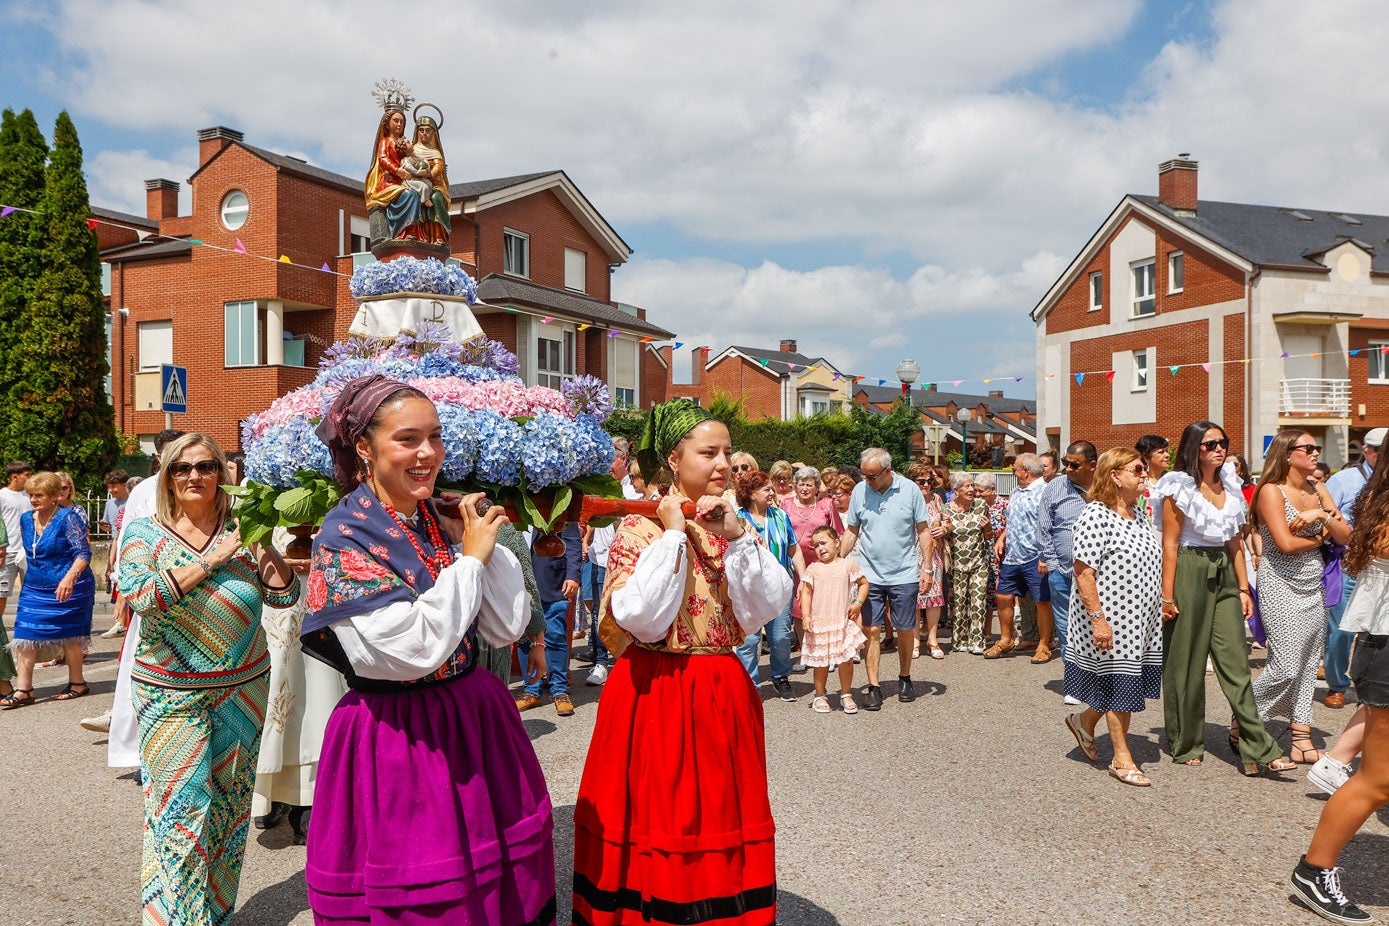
600, 484
238, 491
292, 497
563, 496
532, 513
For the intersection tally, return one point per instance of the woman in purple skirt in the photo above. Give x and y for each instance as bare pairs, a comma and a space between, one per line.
430, 805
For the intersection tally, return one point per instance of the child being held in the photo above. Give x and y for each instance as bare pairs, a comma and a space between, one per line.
833, 591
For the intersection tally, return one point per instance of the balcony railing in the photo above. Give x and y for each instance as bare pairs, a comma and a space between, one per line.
1315, 398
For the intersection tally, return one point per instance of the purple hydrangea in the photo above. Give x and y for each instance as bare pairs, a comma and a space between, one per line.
412, 275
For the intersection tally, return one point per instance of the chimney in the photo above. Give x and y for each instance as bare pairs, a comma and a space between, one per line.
161, 199
788, 345
699, 356
213, 140
995, 393
1177, 184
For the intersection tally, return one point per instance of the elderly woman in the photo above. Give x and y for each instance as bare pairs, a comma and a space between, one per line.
971, 541
930, 597
740, 464
55, 602
200, 681
672, 819
841, 492
1114, 647
986, 490
808, 511
782, 474
430, 805
773, 529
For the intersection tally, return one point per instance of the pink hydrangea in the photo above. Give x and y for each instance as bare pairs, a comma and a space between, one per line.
306, 402
510, 400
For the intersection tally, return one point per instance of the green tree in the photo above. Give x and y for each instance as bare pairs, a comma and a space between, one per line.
59, 414
23, 153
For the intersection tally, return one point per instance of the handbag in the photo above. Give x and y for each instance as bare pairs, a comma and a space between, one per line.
1332, 578
1255, 623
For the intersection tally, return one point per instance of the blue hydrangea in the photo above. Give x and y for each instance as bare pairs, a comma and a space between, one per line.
344, 371
276, 458
549, 453
498, 448
412, 275
460, 442
593, 445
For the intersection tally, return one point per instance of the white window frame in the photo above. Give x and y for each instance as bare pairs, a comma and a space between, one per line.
241, 306
576, 270
624, 398
1377, 361
1142, 365
512, 234
154, 344
244, 212
1139, 296
1096, 290
566, 336
1176, 267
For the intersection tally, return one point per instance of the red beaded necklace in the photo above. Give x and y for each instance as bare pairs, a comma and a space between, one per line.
442, 557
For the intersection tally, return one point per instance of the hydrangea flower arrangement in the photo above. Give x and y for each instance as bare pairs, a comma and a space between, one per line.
412, 275
500, 436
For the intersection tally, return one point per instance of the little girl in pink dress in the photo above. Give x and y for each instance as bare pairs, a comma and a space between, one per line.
833, 626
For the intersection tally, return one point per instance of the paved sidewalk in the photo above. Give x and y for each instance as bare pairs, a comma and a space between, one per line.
970, 806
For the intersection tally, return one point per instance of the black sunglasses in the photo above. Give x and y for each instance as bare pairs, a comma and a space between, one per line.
742, 467
1223, 444
1306, 448
925, 482
183, 470
1073, 464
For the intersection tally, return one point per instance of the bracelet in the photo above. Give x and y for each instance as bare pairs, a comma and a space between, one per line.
207, 567
1245, 591
1095, 615
1169, 601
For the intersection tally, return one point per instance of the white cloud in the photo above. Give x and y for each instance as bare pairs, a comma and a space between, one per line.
116, 179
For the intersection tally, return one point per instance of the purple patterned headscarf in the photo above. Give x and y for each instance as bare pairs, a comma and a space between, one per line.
347, 421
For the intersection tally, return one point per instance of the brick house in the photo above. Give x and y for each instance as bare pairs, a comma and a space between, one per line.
1172, 280
781, 383
998, 429
250, 330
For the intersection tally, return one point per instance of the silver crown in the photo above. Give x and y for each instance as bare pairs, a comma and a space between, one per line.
392, 95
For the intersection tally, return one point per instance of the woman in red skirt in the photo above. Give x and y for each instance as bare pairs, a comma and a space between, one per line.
673, 824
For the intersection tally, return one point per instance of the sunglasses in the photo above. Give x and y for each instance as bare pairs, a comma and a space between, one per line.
1306, 448
1073, 464
1223, 444
1138, 469
742, 467
925, 483
182, 470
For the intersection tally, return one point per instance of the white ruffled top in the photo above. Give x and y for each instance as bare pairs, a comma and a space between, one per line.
1368, 610
1204, 525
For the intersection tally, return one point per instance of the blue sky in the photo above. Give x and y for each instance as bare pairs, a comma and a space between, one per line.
877, 180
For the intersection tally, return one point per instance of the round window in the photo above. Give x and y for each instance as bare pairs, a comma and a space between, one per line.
235, 205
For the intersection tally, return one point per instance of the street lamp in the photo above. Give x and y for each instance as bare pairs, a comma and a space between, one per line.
907, 372
963, 416
938, 432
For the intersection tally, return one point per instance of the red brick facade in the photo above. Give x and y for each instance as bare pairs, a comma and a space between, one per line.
307, 218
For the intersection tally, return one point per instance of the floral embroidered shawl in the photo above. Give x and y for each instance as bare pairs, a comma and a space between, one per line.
362, 562
706, 623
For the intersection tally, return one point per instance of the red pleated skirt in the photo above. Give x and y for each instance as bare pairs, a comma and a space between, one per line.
673, 824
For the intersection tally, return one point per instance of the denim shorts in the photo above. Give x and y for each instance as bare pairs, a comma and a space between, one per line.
901, 599
1369, 670
1023, 579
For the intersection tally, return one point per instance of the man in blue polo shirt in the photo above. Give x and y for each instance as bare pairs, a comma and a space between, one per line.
887, 523
1345, 488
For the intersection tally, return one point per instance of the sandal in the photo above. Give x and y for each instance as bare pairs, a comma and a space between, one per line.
1194, 763
1270, 769
1086, 741
937, 652
60, 660
1129, 775
70, 692
846, 703
1041, 656
820, 704
12, 700
1302, 733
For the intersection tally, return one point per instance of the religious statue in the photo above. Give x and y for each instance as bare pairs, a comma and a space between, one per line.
407, 188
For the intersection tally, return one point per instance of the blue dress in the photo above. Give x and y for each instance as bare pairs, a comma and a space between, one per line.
41, 618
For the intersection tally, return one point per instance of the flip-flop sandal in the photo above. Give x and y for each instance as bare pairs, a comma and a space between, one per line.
820, 705
847, 705
1086, 741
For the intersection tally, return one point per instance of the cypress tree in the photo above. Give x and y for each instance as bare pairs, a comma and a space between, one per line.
23, 153
60, 415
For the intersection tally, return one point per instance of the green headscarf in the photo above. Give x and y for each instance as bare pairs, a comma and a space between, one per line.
665, 426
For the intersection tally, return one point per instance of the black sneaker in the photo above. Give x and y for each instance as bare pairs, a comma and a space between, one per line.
873, 701
1319, 890
905, 692
783, 688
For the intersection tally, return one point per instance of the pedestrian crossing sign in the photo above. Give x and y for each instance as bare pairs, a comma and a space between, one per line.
173, 388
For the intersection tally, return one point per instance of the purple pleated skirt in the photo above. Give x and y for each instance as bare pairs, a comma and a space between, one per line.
430, 807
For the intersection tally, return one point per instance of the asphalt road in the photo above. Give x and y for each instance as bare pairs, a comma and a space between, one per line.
971, 806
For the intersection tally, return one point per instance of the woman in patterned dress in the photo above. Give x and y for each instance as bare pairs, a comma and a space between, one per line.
673, 822
430, 805
1294, 517
971, 543
1114, 643
200, 682
931, 599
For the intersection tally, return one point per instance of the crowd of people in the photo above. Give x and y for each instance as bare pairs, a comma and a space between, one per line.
1144, 569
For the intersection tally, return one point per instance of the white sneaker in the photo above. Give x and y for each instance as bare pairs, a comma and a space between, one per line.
1070, 701
597, 675
1328, 774
116, 631
101, 724
798, 667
